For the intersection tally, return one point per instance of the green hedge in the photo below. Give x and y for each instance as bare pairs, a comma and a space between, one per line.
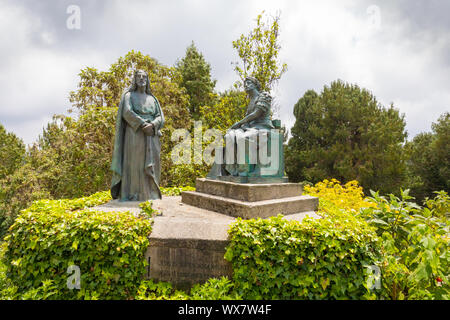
52, 235
315, 259
271, 258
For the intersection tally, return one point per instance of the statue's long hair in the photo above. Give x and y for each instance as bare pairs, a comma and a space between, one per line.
133, 86
255, 82
148, 90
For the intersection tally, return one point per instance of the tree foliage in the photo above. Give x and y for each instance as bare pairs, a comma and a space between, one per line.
429, 159
196, 79
12, 152
72, 156
229, 108
344, 133
414, 241
97, 99
259, 51
12, 157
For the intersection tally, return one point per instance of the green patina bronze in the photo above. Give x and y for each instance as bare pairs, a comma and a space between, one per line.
257, 123
136, 162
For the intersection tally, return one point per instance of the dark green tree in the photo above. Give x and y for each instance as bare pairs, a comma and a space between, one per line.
429, 160
344, 133
12, 157
196, 79
12, 152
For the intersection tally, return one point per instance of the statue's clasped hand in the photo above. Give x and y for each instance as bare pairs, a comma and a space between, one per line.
148, 129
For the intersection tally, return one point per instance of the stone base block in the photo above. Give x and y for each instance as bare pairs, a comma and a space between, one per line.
248, 191
184, 262
253, 180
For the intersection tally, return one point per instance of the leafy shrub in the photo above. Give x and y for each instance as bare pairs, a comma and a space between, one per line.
70, 204
332, 195
415, 243
214, 289
6, 288
439, 205
147, 209
52, 235
175, 191
150, 290
313, 259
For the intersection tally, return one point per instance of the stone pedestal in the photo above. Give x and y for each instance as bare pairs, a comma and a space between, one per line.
248, 200
187, 243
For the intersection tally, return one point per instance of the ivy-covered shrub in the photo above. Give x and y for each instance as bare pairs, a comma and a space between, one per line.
52, 235
213, 289
151, 290
70, 204
327, 258
175, 191
313, 259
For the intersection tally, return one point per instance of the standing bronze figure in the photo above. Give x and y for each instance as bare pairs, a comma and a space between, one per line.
136, 161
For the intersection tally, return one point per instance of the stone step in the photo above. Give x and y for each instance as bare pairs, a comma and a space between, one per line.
253, 180
250, 210
248, 191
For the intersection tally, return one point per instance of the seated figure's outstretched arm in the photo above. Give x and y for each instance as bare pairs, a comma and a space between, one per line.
252, 116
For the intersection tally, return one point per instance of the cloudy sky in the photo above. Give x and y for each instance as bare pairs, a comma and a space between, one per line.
399, 50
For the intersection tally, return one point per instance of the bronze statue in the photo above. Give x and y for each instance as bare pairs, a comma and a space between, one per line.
136, 161
256, 129
257, 118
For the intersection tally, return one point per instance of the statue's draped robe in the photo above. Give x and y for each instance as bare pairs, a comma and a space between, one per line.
136, 161
249, 132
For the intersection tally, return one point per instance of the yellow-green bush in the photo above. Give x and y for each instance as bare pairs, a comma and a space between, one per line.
175, 191
334, 196
50, 236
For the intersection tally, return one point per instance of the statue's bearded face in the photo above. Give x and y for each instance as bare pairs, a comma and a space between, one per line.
141, 78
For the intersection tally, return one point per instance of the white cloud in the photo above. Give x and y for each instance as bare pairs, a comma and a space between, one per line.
321, 41
35, 81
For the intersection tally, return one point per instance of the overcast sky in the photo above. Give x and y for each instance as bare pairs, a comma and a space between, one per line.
399, 50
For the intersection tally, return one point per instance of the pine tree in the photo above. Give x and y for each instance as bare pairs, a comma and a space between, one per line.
344, 133
196, 79
12, 152
429, 160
